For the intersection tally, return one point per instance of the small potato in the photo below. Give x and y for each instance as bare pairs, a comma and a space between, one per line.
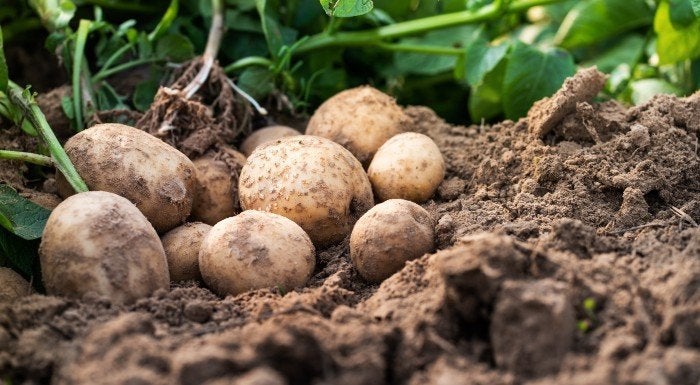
265, 135
388, 235
216, 193
12, 285
181, 246
360, 119
314, 182
100, 242
255, 250
408, 166
129, 162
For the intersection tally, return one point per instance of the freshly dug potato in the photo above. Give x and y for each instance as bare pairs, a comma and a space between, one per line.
181, 246
360, 119
254, 250
265, 135
45, 200
388, 235
216, 193
314, 182
157, 178
100, 242
12, 285
408, 166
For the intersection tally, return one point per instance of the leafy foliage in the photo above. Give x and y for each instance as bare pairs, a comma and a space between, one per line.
347, 8
21, 216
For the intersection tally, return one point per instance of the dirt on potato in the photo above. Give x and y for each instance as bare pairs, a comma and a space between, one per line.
566, 255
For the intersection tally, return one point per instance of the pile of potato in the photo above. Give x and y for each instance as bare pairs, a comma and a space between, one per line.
253, 223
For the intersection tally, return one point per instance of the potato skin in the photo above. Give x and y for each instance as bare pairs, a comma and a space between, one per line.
265, 135
100, 242
388, 235
12, 285
181, 246
255, 250
408, 166
360, 119
129, 162
216, 191
314, 182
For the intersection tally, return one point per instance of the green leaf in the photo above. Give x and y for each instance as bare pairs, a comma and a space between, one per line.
166, 21
531, 75
595, 20
486, 99
258, 82
432, 64
347, 8
22, 254
482, 58
276, 35
175, 47
54, 14
4, 77
643, 90
21, 216
675, 44
695, 4
626, 51
144, 94
681, 13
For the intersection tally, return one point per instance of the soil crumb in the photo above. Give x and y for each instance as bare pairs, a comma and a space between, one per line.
569, 253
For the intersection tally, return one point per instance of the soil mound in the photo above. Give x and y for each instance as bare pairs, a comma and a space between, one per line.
569, 253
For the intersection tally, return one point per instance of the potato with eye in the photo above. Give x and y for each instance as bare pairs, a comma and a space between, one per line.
388, 235
12, 285
360, 119
314, 182
265, 135
256, 250
216, 192
100, 242
181, 246
129, 162
408, 166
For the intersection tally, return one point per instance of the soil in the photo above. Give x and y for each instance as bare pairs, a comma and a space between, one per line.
569, 253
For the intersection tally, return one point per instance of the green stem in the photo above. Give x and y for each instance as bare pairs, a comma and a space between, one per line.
417, 26
24, 101
418, 48
28, 157
248, 62
115, 56
78, 53
166, 21
103, 74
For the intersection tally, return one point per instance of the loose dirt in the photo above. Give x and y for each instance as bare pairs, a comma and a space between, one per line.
568, 254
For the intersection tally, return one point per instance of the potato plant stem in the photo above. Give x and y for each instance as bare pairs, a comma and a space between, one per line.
25, 102
417, 26
28, 157
248, 62
419, 48
81, 39
216, 32
105, 73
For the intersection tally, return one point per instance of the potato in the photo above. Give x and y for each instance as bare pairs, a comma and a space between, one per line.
46, 200
314, 182
408, 166
157, 178
388, 235
12, 285
100, 242
181, 246
255, 250
360, 119
265, 135
216, 192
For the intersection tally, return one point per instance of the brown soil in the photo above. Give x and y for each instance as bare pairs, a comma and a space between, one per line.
568, 255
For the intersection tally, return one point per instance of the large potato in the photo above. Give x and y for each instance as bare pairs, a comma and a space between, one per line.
255, 250
157, 178
314, 182
265, 135
360, 119
100, 242
216, 193
181, 246
408, 166
12, 285
388, 235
